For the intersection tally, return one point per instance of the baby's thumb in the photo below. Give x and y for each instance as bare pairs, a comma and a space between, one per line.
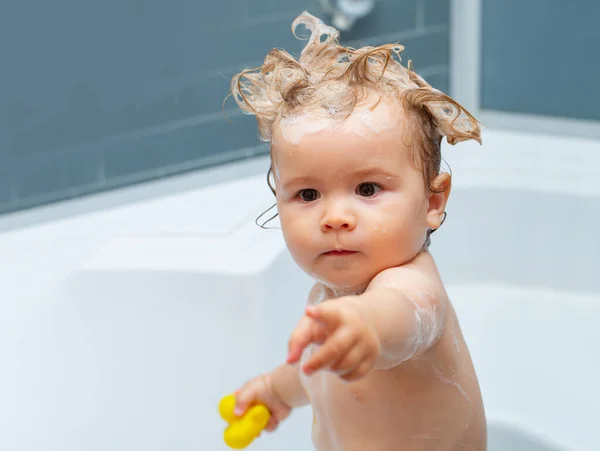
242, 401
272, 424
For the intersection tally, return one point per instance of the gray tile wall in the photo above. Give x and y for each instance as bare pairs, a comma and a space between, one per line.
548, 63
97, 95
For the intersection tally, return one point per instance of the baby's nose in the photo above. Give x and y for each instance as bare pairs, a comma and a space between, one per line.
338, 221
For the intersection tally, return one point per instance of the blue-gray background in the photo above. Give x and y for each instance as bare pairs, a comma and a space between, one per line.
100, 94
542, 57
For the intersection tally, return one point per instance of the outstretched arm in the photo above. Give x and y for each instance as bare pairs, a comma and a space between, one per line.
400, 316
407, 324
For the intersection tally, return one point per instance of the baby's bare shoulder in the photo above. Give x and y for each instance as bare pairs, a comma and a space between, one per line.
418, 276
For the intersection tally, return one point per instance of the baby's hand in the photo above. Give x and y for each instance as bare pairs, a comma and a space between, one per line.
260, 391
350, 344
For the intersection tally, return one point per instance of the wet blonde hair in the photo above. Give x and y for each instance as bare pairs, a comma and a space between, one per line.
335, 79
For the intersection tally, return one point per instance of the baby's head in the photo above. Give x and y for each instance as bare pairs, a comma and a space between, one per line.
355, 153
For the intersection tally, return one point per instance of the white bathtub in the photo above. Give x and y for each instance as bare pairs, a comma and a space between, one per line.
121, 329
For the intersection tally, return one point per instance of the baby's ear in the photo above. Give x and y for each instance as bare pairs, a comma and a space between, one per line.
438, 200
452, 120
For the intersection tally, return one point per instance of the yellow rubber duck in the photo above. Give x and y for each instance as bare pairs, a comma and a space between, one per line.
242, 430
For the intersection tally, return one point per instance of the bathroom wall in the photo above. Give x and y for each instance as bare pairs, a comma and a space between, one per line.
98, 95
540, 57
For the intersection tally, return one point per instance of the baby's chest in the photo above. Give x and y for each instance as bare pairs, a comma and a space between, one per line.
307, 382
325, 387
318, 384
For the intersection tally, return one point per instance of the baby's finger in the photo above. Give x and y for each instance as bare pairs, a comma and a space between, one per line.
328, 313
333, 350
272, 424
349, 362
299, 339
359, 372
244, 397
308, 331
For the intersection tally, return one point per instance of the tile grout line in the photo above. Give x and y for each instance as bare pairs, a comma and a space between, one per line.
420, 19
398, 36
265, 19
245, 11
146, 175
233, 113
434, 70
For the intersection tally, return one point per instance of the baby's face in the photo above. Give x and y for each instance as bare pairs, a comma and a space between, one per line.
350, 202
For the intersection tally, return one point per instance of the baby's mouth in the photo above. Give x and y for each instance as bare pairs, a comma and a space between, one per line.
339, 252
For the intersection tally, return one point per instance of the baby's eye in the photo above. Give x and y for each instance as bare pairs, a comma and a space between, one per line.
367, 189
309, 195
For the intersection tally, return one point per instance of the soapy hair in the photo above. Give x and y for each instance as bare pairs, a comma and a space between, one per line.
328, 77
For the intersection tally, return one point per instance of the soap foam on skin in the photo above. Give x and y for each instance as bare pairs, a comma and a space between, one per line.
362, 121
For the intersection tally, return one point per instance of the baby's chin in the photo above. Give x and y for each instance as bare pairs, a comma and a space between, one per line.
340, 283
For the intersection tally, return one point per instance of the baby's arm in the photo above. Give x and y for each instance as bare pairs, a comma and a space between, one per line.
286, 378
287, 385
400, 315
407, 310
279, 390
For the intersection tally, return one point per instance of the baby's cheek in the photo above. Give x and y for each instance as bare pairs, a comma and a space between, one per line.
298, 242
391, 241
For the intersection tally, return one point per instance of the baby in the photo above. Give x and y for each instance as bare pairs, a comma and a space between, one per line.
355, 169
